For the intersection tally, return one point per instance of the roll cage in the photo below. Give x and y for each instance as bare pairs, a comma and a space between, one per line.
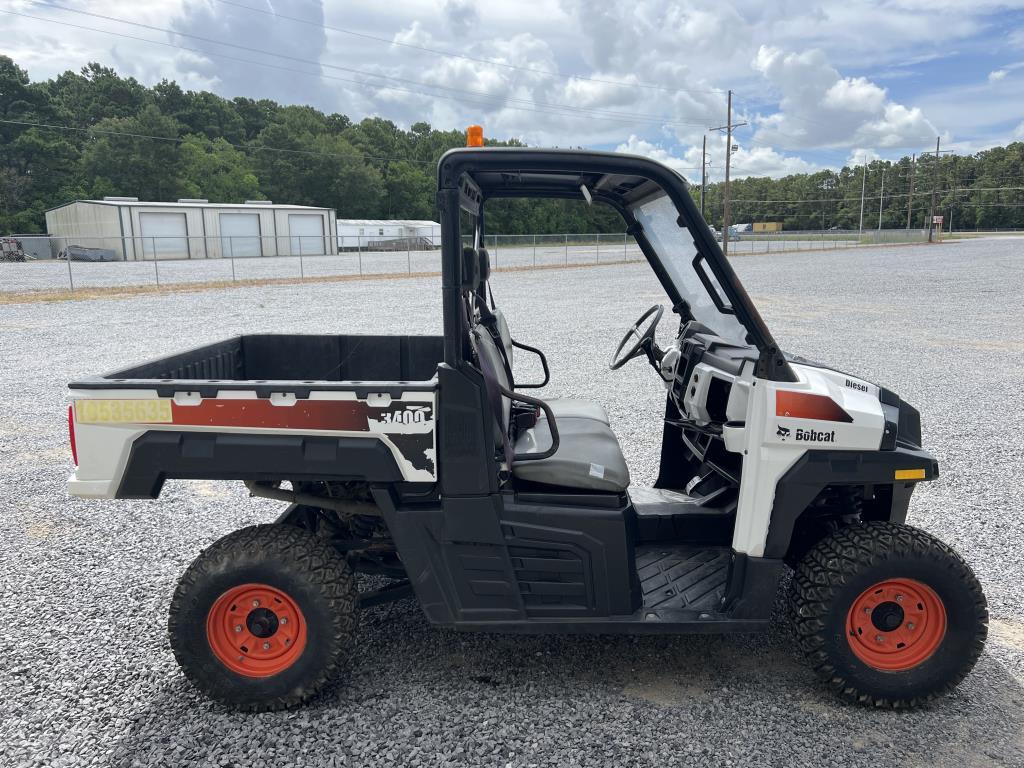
468, 178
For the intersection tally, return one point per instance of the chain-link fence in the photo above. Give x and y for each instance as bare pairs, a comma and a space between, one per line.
43, 263
819, 240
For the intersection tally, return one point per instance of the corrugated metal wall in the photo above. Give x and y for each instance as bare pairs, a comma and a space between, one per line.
118, 226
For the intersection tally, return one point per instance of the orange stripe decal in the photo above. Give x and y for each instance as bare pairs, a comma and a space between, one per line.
261, 414
805, 405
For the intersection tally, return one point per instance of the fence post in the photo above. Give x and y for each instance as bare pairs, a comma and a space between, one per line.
156, 264
625, 256
535, 250
495, 251
71, 278
566, 249
408, 254
302, 272
598, 248
359, 253
231, 254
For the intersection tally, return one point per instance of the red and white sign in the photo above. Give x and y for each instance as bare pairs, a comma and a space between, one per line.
937, 220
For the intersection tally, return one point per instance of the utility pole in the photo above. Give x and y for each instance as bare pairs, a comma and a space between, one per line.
703, 173
729, 125
910, 197
863, 182
881, 197
935, 176
935, 190
952, 203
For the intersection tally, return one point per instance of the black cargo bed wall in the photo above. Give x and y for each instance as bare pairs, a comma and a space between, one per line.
222, 360
342, 358
301, 358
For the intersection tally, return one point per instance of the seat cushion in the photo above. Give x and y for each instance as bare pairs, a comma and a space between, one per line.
588, 456
564, 408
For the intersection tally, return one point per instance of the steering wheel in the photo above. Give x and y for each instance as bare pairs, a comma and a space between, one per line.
639, 339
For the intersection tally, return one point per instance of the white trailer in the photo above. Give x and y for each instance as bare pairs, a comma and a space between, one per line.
388, 234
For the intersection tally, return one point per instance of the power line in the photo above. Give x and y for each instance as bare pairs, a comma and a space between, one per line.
181, 139
466, 57
547, 106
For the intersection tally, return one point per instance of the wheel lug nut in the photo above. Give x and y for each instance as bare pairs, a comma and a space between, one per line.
238, 627
284, 619
899, 598
266, 646
878, 638
255, 603
910, 625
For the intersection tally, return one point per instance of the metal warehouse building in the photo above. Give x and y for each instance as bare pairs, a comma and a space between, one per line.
388, 234
192, 229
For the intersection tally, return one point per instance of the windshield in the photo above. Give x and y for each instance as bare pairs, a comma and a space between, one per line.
676, 252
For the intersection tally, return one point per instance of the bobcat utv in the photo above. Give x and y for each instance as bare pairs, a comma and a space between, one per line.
422, 460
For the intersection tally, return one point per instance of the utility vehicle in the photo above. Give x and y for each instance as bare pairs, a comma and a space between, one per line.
423, 460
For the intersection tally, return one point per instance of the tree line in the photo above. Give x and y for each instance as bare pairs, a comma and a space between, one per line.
119, 137
164, 143
980, 191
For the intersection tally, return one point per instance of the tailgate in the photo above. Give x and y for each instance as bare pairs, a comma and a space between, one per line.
129, 440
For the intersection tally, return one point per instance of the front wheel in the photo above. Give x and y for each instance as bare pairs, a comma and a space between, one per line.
888, 615
263, 618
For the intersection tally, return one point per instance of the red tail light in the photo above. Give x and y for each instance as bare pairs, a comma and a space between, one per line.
71, 433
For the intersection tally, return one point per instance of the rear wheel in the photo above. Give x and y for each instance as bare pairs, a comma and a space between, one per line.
888, 615
263, 618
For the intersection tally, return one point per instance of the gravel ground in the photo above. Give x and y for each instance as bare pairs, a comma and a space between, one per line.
90, 680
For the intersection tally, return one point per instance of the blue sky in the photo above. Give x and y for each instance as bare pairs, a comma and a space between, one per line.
821, 83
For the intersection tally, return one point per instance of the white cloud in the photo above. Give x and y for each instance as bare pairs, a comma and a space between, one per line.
800, 69
860, 156
1018, 132
765, 161
854, 94
637, 146
755, 161
997, 75
820, 108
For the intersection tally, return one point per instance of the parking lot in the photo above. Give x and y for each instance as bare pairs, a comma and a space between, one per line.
90, 680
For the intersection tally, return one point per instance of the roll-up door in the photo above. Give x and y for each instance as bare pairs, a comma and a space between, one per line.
240, 234
307, 233
164, 235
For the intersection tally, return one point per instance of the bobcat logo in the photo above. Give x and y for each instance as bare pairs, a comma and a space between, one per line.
782, 432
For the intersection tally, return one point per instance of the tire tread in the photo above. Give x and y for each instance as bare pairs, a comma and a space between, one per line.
323, 568
833, 561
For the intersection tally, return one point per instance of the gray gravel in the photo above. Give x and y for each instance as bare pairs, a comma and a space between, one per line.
89, 679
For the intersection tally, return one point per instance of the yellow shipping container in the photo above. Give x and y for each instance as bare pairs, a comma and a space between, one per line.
767, 226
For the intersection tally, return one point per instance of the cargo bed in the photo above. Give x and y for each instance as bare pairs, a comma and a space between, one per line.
261, 407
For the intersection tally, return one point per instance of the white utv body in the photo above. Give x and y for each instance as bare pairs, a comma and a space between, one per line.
423, 460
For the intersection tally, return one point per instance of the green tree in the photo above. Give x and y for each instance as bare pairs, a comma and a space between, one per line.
146, 161
216, 171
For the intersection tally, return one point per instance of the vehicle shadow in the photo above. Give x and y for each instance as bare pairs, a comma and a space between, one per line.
416, 695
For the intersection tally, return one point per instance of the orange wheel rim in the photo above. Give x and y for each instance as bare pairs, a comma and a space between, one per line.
895, 625
256, 630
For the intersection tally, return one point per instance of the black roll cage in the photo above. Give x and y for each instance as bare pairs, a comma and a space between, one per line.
468, 177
